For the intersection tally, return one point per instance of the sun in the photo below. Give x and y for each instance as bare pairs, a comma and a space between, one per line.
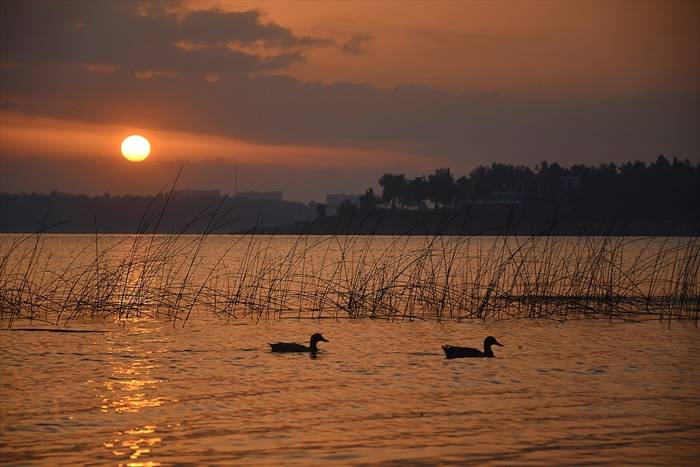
135, 148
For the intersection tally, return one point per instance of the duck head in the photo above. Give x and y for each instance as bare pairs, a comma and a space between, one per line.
317, 338
489, 341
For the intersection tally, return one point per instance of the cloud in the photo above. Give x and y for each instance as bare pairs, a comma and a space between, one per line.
114, 63
145, 36
215, 26
100, 67
357, 45
469, 128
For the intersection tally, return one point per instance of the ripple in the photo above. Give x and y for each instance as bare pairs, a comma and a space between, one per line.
217, 396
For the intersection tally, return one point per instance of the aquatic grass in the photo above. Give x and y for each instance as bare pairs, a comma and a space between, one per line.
347, 275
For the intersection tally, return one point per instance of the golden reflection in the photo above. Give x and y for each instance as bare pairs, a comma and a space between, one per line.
130, 389
134, 444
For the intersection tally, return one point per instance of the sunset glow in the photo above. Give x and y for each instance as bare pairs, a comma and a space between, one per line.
346, 89
135, 148
397, 232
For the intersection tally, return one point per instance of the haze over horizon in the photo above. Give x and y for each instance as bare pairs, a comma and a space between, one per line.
312, 98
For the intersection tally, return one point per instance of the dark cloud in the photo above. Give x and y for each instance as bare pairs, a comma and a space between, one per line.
52, 44
282, 110
145, 36
357, 45
219, 27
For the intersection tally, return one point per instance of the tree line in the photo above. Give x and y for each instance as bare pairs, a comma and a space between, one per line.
660, 185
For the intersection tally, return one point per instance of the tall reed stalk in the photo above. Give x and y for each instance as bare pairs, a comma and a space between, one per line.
433, 277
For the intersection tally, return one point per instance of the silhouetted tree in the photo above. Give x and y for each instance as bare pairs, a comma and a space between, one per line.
481, 180
416, 192
464, 190
368, 201
346, 210
602, 191
441, 187
549, 181
321, 209
392, 188
500, 177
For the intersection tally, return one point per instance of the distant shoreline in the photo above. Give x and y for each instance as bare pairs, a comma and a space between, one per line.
424, 224
75, 214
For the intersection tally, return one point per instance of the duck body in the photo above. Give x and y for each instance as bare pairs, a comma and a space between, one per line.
468, 352
291, 347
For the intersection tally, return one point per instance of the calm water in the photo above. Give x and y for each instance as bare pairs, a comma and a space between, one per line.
147, 393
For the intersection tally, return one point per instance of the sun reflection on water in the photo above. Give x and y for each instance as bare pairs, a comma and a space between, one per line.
130, 388
128, 391
135, 443
214, 393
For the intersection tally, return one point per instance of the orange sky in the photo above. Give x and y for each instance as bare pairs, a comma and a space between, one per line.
317, 85
544, 48
54, 138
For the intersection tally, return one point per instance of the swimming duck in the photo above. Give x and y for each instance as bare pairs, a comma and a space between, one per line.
463, 352
294, 347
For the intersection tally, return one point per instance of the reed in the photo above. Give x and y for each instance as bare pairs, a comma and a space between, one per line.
346, 275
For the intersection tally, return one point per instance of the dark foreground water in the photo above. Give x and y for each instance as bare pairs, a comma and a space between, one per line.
582, 392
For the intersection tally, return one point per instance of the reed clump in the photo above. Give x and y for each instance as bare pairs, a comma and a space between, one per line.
430, 277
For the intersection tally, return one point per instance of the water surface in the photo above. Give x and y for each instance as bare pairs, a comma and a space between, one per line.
146, 393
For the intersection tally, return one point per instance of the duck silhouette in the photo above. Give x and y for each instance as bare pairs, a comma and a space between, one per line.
294, 347
467, 352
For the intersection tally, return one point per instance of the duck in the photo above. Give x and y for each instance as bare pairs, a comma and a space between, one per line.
294, 347
466, 352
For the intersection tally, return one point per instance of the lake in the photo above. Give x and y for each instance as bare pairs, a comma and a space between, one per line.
567, 388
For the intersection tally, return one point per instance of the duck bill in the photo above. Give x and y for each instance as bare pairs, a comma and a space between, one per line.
498, 344
323, 339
